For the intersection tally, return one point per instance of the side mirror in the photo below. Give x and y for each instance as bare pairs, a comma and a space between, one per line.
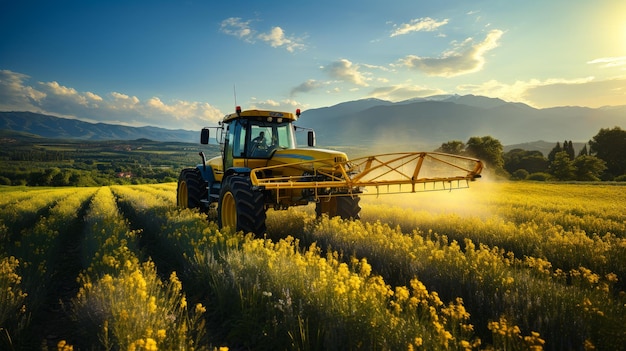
204, 136
311, 138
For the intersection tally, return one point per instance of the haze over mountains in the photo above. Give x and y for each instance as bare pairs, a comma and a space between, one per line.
439, 119
420, 123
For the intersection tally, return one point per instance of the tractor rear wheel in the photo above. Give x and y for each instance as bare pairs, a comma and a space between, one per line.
240, 207
191, 188
346, 207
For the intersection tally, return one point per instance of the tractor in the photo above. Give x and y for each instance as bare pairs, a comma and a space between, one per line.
261, 167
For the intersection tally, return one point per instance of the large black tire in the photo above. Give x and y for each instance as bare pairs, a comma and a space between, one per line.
346, 207
191, 189
240, 207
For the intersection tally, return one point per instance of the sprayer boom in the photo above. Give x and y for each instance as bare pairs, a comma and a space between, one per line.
406, 172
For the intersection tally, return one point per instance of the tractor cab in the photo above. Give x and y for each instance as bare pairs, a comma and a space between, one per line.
250, 138
256, 138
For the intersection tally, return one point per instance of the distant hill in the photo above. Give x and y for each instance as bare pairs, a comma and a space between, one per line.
373, 125
432, 121
63, 128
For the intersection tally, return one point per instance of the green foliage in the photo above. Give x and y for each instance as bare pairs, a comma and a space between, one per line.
455, 147
520, 174
539, 176
589, 168
43, 162
531, 161
562, 168
609, 145
488, 150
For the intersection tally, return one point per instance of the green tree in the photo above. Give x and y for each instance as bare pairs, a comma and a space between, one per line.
520, 174
583, 151
455, 147
555, 150
609, 145
588, 168
487, 149
562, 168
532, 161
569, 148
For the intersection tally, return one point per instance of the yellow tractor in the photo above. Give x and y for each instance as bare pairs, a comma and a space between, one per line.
261, 167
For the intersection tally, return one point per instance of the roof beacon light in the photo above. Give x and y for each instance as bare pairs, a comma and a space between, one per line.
238, 110
298, 112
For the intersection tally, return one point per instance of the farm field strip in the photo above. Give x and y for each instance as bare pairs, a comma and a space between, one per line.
22, 211
37, 250
490, 282
138, 309
558, 246
511, 265
324, 286
561, 250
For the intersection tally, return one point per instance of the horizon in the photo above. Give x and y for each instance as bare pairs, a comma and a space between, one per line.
185, 65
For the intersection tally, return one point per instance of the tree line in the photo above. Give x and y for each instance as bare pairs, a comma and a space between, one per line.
604, 160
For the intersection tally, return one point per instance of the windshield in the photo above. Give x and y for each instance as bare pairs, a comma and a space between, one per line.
267, 137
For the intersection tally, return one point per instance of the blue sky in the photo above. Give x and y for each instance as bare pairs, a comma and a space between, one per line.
177, 64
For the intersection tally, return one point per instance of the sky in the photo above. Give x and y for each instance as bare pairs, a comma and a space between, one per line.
184, 64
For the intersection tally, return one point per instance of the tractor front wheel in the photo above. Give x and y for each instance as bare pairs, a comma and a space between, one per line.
346, 207
240, 207
191, 188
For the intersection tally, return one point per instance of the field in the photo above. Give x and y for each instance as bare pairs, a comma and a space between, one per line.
505, 266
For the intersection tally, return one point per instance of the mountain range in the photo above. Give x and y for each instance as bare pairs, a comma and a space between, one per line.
420, 124
438, 119
64, 128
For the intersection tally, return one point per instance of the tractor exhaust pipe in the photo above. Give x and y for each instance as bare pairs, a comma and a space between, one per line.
203, 160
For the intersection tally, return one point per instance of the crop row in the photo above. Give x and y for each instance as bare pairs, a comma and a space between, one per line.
504, 266
275, 295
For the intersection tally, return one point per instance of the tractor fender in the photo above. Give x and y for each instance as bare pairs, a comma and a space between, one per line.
207, 173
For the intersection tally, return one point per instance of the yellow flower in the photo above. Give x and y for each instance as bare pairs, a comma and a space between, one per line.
466, 345
402, 293
151, 345
161, 334
64, 346
200, 309
152, 307
418, 341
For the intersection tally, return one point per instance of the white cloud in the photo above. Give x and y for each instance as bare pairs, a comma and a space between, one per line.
425, 24
607, 62
276, 37
55, 99
237, 27
466, 58
345, 70
14, 95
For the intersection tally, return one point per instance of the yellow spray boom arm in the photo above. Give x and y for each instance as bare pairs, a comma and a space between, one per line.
388, 173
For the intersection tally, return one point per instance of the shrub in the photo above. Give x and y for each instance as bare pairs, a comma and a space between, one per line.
621, 178
539, 176
520, 174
